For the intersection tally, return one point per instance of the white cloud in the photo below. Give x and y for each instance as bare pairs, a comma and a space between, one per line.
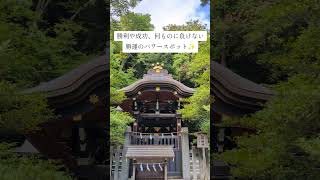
164, 12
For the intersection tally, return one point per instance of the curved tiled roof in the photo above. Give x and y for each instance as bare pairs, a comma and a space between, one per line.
233, 93
74, 79
162, 79
74, 86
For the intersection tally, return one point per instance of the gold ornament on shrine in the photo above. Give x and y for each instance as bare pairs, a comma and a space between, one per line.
93, 99
157, 129
77, 117
158, 67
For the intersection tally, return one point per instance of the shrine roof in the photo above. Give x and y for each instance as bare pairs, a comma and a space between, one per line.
149, 151
73, 79
237, 84
158, 78
235, 95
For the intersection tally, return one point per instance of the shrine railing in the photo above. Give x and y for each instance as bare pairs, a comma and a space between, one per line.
156, 139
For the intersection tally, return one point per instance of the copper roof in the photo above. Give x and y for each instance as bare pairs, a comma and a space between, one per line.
161, 78
149, 151
233, 93
72, 80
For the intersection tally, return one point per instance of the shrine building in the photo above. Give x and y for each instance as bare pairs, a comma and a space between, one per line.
157, 144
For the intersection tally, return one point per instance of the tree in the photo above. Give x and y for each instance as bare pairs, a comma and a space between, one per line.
21, 113
121, 7
192, 25
287, 138
281, 38
198, 106
13, 167
135, 22
118, 122
37, 45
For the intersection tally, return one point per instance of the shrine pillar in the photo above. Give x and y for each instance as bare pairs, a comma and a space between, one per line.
185, 153
125, 162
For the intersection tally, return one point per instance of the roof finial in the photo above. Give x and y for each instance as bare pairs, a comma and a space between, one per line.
158, 67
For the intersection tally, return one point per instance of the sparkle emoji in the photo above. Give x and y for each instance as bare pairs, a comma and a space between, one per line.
192, 46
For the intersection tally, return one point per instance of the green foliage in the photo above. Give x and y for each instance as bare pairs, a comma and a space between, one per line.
198, 106
21, 113
119, 78
135, 22
39, 45
143, 62
120, 7
13, 167
181, 63
274, 42
267, 37
192, 25
311, 146
287, 140
118, 123
124, 67
52, 48
39, 41
190, 69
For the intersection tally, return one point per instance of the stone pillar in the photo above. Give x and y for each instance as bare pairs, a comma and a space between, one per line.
178, 116
165, 170
125, 162
185, 153
134, 172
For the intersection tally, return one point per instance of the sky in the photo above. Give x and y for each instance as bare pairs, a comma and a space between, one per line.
164, 12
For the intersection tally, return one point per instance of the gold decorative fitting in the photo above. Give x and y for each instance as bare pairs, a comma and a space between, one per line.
93, 99
157, 129
77, 117
158, 67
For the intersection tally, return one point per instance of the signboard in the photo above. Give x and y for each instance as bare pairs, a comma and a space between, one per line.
202, 141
